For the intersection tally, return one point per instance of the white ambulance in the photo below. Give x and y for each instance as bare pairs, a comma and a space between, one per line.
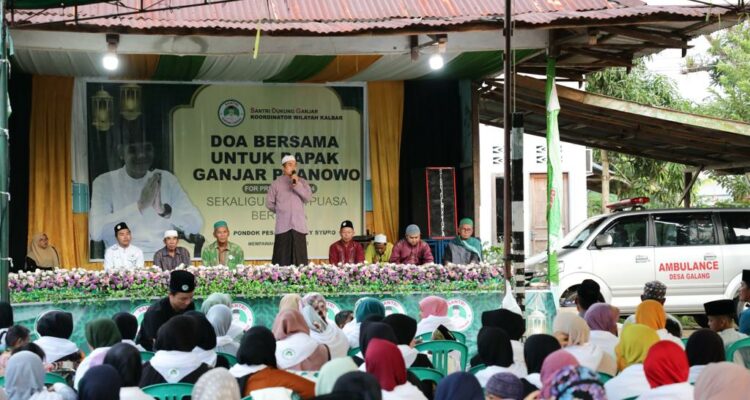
698, 253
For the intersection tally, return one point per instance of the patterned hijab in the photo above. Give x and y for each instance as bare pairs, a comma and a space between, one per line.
577, 383
216, 384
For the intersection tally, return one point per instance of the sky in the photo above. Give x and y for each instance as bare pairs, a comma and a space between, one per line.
694, 86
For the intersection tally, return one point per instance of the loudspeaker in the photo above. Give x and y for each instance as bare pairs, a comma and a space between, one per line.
434, 201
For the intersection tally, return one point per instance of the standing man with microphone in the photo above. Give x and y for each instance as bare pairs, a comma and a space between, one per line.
286, 198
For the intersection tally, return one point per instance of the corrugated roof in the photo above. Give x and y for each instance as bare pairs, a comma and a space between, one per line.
348, 16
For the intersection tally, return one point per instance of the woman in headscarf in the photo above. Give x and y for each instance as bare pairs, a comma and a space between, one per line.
100, 383
17, 336
511, 323
405, 327
325, 333
493, 345
551, 365
290, 301
220, 317
331, 372
237, 329
217, 384
175, 360
666, 367
602, 320
256, 366
101, 334
651, 313
576, 383
504, 386
126, 359
635, 341
459, 386
318, 303
364, 308
723, 381
373, 330
295, 349
433, 312
205, 349
703, 347
573, 334
24, 380
127, 324
6, 321
41, 254
385, 362
535, 351
357, 384
55, 328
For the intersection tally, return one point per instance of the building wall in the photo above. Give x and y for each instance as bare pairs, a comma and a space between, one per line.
491, 166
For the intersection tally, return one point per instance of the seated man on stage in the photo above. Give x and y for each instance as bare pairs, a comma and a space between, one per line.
123, 255
379, 250
171, 255
179, 301
411, 249
222, 251
346, 250
464, 249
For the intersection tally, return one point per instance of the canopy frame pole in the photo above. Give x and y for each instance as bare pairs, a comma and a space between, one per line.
507, 203
5, 259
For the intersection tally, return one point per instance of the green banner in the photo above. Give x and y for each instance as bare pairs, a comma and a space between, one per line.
554, 176
182, 156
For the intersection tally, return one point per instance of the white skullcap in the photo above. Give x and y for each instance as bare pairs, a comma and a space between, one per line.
381, 239
287, 158
170, 234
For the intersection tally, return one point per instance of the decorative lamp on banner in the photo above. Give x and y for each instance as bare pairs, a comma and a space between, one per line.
103, 114
130, 101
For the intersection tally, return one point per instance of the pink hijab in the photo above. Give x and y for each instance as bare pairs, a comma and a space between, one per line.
551, 365
602, 317
433, 305
287, 323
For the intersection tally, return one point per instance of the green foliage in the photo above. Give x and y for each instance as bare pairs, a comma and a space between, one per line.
638, 176
730, 73
492, 254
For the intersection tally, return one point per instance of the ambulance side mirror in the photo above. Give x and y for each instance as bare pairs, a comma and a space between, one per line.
603, 240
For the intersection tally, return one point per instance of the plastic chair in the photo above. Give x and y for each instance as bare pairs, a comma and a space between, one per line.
427, 374
353, 352
604, 378
441, 350
50, 378
169, 391
684, 341
232, 359
146, 356
477, 368
737, 346
460, 337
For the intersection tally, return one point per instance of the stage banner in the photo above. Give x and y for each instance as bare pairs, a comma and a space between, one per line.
183, 156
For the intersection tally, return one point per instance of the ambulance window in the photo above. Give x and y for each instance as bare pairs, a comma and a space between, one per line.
628, 232
684, 229
736, 227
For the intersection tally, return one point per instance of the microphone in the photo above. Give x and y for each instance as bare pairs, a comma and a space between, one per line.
294, 177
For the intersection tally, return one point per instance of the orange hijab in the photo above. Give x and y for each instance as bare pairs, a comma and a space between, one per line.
651, 313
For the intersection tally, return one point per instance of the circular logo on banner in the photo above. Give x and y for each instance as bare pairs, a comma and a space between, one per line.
461, 314
393, 307
139, 311
331, 310
243, 314
231, 113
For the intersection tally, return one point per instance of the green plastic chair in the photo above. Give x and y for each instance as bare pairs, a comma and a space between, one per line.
604, 378
353, 352
146, 356
736, 346
441, 349
684, 341
169, 391
232, 359
50, 378
427, 337
427, 374
477, 368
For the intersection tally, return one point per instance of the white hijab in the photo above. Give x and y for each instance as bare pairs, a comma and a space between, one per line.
325, 333
407, 391
351, 330
676, 391
484, 375
588, 355
56, 348
631, 382
294, 349
173, 366
431, 323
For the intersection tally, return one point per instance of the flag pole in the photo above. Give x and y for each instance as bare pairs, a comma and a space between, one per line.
554, 177
507, 205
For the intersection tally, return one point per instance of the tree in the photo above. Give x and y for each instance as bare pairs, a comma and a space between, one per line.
639, 176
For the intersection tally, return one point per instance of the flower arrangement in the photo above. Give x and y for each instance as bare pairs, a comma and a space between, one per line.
255, 281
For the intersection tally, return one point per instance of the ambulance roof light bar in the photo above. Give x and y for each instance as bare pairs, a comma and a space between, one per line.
635, 203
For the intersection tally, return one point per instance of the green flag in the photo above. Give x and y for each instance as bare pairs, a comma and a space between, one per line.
554, 177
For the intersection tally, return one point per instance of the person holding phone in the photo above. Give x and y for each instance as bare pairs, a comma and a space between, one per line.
286, 198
